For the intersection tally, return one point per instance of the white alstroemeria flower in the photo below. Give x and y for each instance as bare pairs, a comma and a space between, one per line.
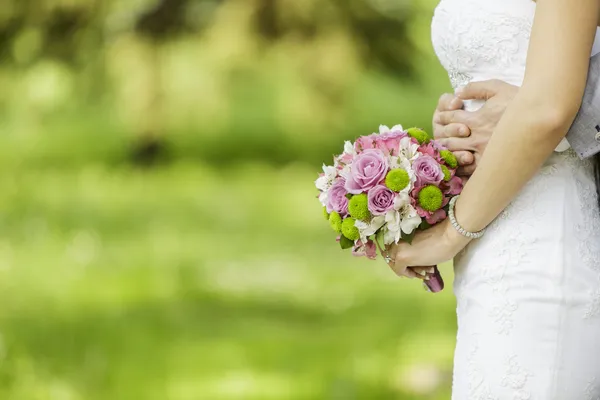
394, 162
349, 148
345, 172
367, 229
401, 201
384, 129
324, 182
324, 198
410, 220
393, 230
408, 149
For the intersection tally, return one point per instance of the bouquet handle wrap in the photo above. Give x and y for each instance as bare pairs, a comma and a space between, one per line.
435, 284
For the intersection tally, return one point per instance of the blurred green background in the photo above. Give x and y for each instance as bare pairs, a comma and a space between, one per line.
160, 235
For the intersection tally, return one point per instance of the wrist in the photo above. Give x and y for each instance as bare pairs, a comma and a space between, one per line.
466, 220
455, 239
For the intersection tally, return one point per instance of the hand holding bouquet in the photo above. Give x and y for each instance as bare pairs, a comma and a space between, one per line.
386, 186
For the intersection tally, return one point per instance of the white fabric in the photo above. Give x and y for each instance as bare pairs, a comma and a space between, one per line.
528, 292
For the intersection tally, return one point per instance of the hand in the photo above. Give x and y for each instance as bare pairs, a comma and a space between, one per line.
447, 104
432, 246
481, 123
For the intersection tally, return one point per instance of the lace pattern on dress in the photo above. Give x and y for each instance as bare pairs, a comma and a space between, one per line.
501, 40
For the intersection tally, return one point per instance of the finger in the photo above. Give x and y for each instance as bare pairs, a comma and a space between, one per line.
466, 170
400, 268
403, 272
483, 90
457, 144
408, 273
449, 102
451, 117
464, 158
451, 130
423, 271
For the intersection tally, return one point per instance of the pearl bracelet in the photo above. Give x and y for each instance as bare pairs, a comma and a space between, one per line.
456, 225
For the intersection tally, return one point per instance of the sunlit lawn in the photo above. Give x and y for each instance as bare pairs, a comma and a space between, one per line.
189, 283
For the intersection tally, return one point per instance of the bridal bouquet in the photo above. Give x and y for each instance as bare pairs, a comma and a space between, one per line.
384, 187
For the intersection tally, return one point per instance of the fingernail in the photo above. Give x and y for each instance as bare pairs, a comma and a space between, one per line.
427, 278
422, 273
431, 270
463, 131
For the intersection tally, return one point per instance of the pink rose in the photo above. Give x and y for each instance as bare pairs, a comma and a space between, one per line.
368, 169
428, 171
389, 142
380, 200
365, 142
336, 198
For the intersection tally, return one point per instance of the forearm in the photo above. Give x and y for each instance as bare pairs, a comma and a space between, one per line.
525, 137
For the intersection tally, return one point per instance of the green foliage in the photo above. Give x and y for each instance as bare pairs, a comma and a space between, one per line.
346, 243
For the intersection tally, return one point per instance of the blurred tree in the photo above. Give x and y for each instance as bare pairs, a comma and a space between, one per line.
379, 28
318, 47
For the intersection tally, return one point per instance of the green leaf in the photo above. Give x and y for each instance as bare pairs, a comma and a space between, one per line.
346, 243
424, 225
409, 238
379, 239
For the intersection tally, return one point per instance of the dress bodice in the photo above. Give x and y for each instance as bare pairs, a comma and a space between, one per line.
483, 39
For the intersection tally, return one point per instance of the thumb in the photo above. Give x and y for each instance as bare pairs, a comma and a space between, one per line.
483, 90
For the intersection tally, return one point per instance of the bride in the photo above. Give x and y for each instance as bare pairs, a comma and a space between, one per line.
528, 290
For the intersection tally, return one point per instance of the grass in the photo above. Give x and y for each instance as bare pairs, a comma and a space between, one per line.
191, 283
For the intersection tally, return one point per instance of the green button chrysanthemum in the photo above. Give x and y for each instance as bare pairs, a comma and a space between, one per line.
446, 172
349, 230
431, 198
397, 179
419, 134
358, 207
325, 213
335, 220
449, 158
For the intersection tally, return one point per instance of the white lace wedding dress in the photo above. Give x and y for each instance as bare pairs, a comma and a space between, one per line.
528, 292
